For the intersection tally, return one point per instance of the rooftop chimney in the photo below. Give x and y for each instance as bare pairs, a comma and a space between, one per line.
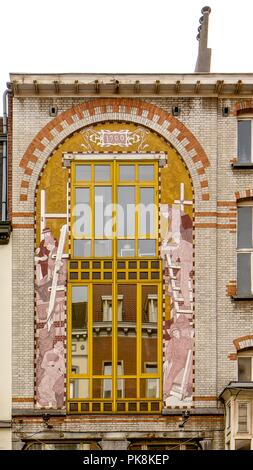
203, 63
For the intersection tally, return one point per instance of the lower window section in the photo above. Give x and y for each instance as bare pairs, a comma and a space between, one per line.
115, 347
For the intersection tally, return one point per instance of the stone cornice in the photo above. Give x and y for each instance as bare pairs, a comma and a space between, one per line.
228, 85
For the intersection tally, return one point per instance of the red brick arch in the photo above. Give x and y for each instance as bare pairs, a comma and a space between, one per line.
109, 109
242, 105
243, 342
245, 193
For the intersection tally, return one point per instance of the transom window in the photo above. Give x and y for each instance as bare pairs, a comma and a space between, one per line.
118, 202
115, 285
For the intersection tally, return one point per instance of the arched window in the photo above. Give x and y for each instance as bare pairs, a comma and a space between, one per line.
115, 277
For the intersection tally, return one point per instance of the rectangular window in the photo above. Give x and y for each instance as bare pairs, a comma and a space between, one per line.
244, 146
243, 417
245, 250
228, 416
244, 369
115, 321
114, 201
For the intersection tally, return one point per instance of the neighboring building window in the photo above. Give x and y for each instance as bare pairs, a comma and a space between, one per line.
245, 249
244, 141
243, 417
244, 369
228, 408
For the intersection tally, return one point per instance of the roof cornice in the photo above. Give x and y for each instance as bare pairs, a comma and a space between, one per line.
226, 85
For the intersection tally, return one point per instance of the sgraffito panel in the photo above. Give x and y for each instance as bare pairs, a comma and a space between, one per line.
177, 253
51, 253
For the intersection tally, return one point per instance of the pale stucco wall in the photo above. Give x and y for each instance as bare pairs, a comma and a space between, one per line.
5, 343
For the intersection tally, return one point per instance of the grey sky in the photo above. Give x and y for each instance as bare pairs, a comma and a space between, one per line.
121, 36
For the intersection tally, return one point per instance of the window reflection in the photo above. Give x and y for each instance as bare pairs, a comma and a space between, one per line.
149, 327
80, 329
102, 326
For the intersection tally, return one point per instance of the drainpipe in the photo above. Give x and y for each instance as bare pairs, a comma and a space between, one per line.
5, 159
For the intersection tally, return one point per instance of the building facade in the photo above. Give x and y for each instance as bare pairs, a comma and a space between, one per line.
130, 200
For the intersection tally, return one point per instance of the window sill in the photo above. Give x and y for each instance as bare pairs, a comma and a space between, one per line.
242, 297
242, 166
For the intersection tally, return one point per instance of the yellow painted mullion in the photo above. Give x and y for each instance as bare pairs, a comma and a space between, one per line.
114, 292
137, 210
69, 336
92, 196
90, 337
138, 339
72, 199
159, 336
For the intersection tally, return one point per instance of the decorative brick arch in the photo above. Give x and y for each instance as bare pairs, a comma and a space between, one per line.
243, 342
242, 105
245, 193
119, 109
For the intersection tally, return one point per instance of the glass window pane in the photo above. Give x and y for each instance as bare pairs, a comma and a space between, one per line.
150, 388
82, 248
126, 211
244, 369
147, 212
102, 388
103, 248
149, 328
244, 233
146, 248
126, 248
244, 274
103, 211
242, 417
102, 172
244, 141
83, 173
127, 346
127, 172
126, 388
79, 388
102, 327
81, 212
146, 172
79, 329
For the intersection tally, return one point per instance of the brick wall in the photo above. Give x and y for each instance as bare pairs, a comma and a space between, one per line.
207, 142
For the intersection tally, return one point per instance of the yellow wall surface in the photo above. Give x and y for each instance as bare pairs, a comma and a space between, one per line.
54, 177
